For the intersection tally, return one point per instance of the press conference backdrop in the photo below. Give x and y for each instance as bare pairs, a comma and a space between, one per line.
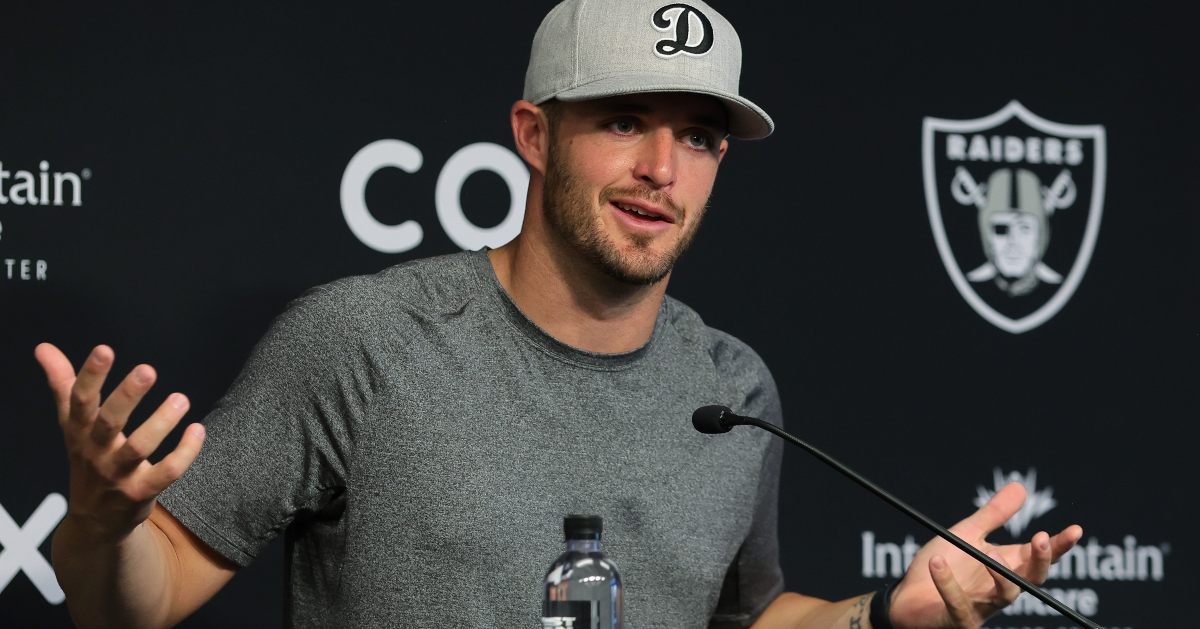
967, 254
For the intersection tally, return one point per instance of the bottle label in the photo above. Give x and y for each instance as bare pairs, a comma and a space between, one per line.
568, 615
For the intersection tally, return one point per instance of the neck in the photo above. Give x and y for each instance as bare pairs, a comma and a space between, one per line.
572, 300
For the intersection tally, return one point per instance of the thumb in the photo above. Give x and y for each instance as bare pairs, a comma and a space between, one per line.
60, 374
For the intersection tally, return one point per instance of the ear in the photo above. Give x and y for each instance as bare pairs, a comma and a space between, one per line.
724, 147
531, 134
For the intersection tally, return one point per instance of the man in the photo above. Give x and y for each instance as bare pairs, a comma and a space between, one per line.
418, 434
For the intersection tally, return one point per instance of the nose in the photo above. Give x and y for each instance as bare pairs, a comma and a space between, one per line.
656, 158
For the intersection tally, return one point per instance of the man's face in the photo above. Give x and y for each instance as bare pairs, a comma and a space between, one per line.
628, 178
1014, 241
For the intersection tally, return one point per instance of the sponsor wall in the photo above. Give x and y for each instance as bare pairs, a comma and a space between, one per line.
967, 253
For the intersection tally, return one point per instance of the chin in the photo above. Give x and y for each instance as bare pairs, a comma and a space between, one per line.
639, 269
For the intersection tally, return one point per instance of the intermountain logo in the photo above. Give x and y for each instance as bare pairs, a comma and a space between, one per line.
1037, 502
23, 187
39, 187
997, 188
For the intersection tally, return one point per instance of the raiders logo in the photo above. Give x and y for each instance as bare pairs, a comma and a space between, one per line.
692, 32
1014, 202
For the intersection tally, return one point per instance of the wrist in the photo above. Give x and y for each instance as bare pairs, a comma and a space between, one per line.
77, 536
881, 605
99, 528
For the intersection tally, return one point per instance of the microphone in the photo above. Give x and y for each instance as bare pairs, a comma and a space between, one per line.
712, 420
716, 419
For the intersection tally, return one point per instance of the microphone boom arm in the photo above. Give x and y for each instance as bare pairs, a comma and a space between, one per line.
941, 531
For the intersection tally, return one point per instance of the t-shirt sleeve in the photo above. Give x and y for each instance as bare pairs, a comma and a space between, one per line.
754, 577
279, 442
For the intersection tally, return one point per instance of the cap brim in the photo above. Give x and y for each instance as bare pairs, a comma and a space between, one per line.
746, 120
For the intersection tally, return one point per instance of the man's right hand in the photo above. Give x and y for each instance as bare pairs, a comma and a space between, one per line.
123, 560
112, 484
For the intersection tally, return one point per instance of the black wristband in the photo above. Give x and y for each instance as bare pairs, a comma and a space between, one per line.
880, 604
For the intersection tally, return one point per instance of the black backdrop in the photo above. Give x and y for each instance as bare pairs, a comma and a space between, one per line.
210, 144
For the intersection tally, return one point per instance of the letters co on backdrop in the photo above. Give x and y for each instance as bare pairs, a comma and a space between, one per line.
985, 229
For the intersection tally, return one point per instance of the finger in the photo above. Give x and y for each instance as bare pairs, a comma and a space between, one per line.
146, 439
172, 466
1039, 558
85, 393
116, 409
60, 374
958, 605
1006, 591
1065, 540
998, 509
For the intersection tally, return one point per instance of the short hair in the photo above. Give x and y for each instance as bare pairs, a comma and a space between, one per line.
553, 110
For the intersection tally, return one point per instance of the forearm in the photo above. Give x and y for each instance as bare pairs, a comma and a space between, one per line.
124, 584
796, 611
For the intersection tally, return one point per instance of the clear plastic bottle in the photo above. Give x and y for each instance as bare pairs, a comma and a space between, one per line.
583, 588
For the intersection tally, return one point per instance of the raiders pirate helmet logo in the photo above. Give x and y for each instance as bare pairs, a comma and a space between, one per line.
1014, 202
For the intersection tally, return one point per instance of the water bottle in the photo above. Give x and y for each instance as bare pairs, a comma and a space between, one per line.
583, 589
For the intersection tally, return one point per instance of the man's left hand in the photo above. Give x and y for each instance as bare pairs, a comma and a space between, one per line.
945, 587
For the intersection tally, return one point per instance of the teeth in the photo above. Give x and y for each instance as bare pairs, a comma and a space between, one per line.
630, 208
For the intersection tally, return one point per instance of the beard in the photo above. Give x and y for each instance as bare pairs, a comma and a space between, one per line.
572, 216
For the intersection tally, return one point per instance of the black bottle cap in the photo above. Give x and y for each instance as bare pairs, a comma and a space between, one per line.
583, 526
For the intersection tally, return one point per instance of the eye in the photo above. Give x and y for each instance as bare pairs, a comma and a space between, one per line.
699, 140
623, 126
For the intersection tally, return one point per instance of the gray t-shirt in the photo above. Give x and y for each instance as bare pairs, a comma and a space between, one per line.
418, 440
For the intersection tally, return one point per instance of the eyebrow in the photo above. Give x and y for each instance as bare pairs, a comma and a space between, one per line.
702, 120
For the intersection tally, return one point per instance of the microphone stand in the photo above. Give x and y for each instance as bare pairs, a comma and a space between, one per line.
1033, 590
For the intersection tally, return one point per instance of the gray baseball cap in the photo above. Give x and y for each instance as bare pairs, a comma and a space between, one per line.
587, 49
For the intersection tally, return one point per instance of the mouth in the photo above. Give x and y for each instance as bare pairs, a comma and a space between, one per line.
641, 212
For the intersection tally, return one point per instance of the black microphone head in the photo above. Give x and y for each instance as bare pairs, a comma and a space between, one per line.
709, 419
